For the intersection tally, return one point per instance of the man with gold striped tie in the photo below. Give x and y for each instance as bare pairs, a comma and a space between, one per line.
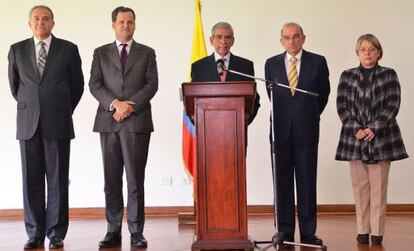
296, 116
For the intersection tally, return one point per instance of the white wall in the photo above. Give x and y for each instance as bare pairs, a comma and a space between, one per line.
332, 28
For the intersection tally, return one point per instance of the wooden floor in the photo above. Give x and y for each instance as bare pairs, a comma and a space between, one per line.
164, 234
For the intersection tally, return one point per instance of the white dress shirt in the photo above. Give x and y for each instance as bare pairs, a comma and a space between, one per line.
119, 46
298, 61
226, 59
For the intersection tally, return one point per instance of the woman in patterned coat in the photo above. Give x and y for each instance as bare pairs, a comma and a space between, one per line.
367, 103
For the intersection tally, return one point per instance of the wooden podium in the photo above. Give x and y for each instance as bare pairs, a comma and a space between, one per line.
220, 111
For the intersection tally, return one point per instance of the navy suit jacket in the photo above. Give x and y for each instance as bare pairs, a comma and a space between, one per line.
50, 99
205, 70
301, 112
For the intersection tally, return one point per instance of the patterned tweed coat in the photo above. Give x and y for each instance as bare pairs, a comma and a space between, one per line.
374, 106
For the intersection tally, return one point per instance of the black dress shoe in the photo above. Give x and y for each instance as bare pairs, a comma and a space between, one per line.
34, 243
138, 240
280, 237
110, 240
376, 239
55, 243
311, 239
363, 238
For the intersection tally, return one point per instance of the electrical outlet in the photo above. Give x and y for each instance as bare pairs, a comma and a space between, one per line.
184, 181
166, 181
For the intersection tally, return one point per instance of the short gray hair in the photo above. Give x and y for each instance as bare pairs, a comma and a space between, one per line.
222, 25
292, 24
41, 7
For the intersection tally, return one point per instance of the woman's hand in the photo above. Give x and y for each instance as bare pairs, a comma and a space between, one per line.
360, 134
369, 134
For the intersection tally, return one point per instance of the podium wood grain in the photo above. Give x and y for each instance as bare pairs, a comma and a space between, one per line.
219, 111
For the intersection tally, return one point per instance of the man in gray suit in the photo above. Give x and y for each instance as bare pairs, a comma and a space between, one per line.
124, 79
46, 80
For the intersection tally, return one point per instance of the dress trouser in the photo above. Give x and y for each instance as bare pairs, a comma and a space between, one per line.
41, 157
130, 150
300, 163
369, 184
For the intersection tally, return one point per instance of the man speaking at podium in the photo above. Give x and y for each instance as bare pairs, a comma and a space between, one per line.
207, 70
296, 118
220, 176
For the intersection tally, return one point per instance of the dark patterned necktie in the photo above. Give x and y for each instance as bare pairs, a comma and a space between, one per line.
124, 56
224, 73
41, 61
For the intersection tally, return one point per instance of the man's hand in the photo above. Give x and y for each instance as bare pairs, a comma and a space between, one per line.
118, 117
123, 110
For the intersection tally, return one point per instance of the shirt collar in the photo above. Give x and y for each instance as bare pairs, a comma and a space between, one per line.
47, 41
226, 57
298, 56
118, 43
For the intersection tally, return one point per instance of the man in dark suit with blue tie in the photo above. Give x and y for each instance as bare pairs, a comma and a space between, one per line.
124, 79
205, 69
46, 80
296, 118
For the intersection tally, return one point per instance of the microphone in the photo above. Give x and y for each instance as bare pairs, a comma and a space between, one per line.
223, 68
220, 66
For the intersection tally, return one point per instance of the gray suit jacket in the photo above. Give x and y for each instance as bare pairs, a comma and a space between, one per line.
50, 98
138, 84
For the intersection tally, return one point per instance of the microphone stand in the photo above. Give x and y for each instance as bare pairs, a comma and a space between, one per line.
276, 242
273, 83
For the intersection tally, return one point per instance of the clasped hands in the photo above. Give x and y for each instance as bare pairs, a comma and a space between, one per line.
123, 109
366, 134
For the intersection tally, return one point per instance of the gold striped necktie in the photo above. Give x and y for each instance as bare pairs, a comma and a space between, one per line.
293, 74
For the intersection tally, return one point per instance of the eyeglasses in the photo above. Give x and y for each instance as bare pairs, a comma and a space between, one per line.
221, 37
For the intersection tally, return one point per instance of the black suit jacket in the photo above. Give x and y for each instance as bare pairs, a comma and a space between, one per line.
205, 70
50, 99
300, 112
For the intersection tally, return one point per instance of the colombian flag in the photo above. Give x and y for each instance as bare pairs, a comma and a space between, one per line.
197, 52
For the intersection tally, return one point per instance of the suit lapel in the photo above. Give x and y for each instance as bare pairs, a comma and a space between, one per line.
232, 66
213, 68
113, 55
304, 68
132, 56
30, 50
53, 51
281, 75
